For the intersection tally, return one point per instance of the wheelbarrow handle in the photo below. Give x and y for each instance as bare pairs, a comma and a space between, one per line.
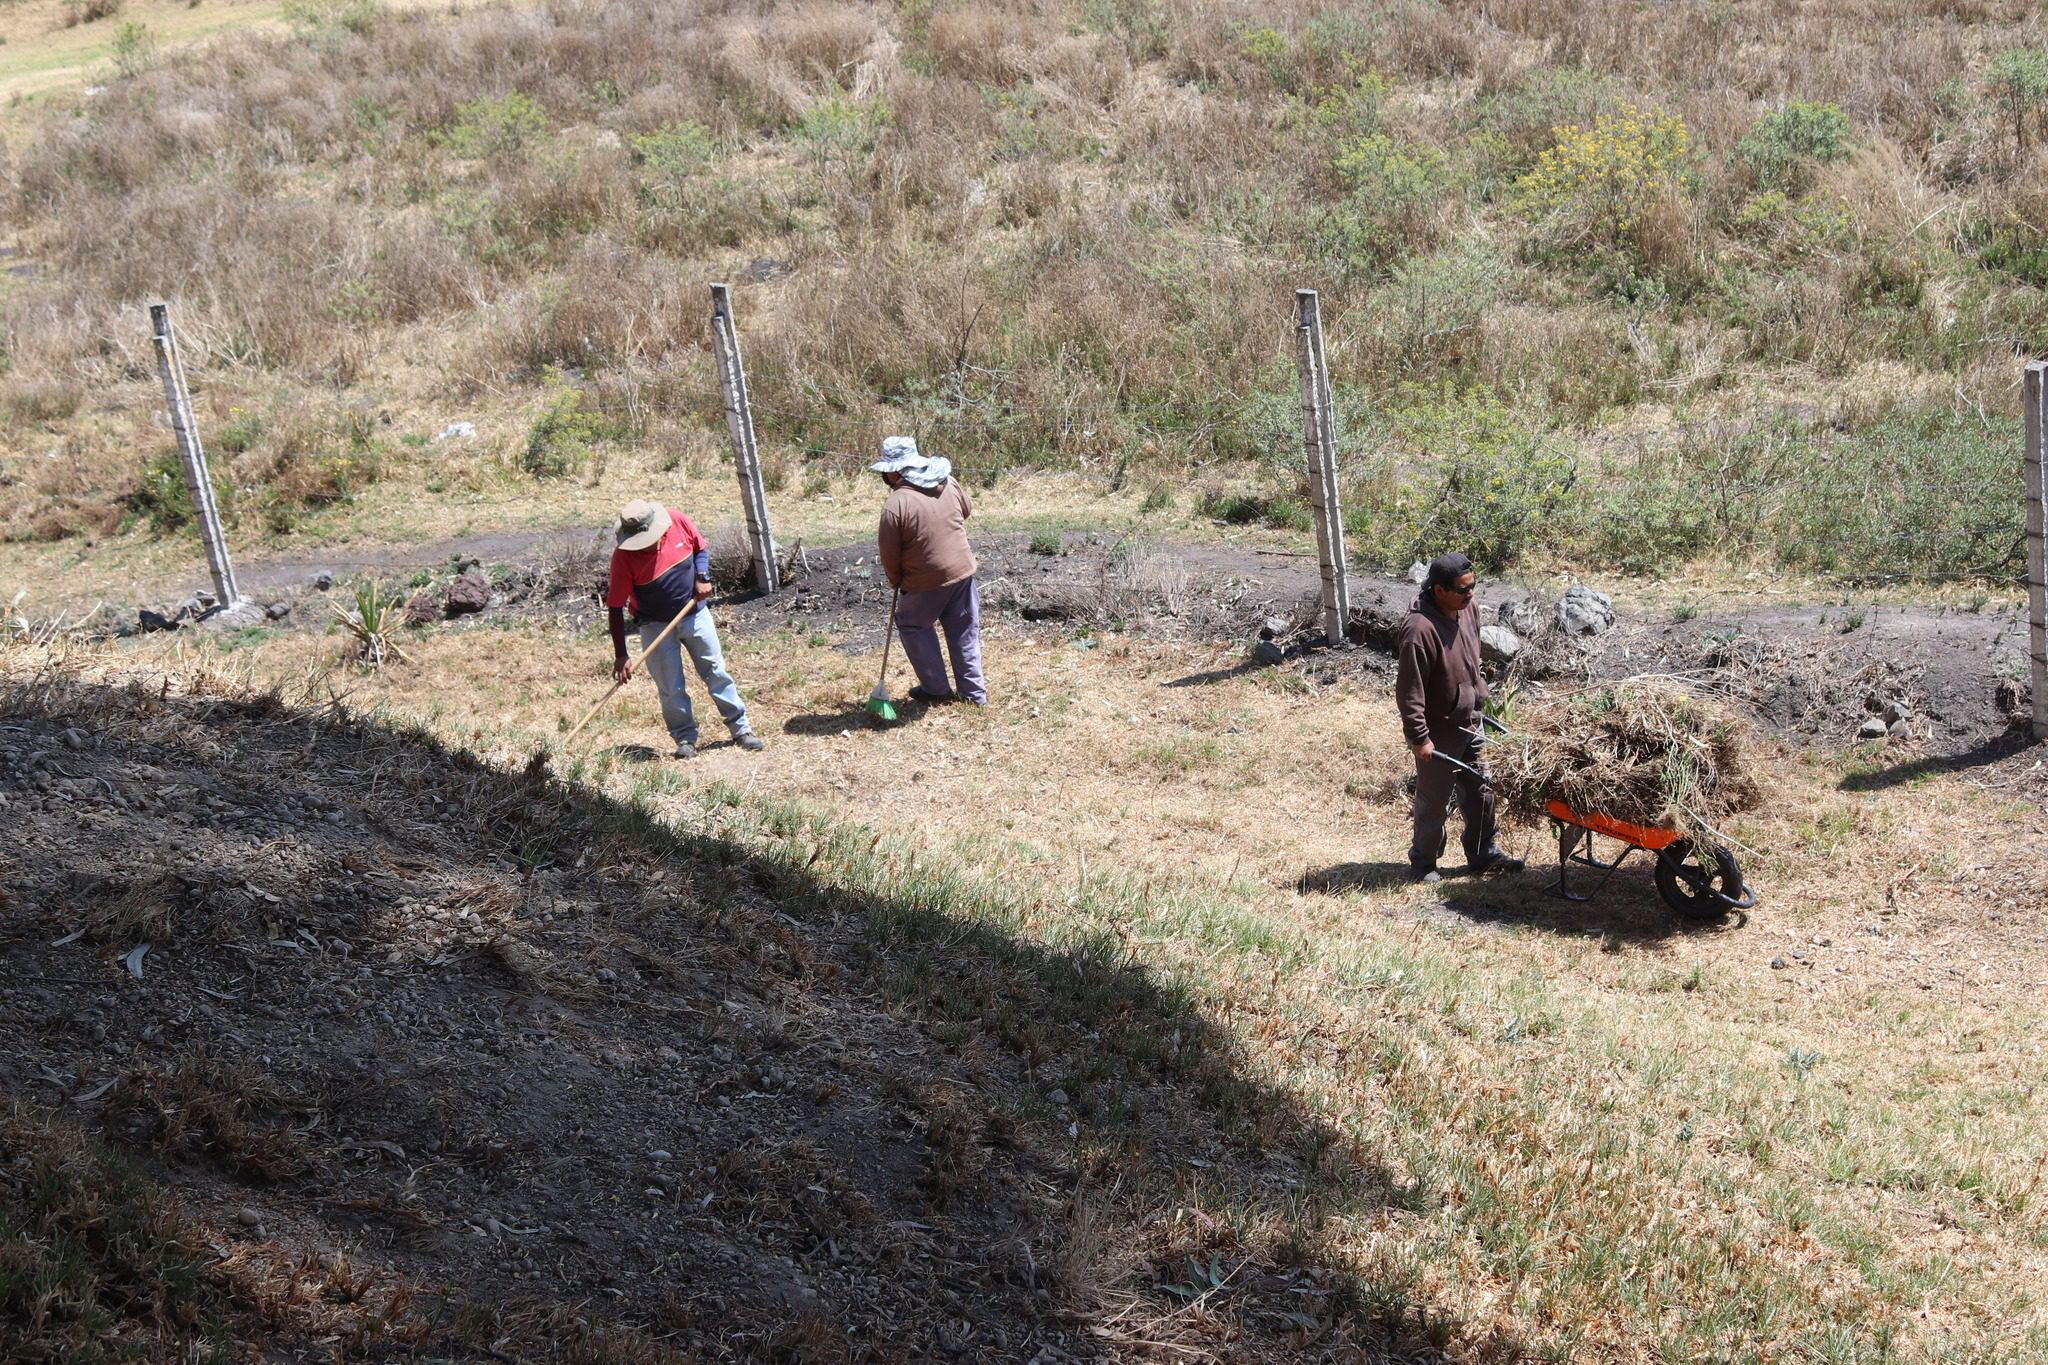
1486, 720
1462, 766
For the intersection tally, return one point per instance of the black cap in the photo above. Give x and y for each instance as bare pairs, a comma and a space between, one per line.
1446, 569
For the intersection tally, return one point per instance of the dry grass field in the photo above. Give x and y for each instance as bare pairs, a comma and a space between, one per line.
1101, 1024
1560, 1132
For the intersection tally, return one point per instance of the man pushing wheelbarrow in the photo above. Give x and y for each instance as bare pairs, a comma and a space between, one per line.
1440, 692
1637, 761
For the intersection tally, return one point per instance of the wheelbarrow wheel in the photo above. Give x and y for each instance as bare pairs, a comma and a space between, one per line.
1700, 884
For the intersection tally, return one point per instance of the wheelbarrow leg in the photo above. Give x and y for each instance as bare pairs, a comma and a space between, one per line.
1568, 837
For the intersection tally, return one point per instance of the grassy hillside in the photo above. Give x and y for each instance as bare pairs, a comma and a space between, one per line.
1621, 284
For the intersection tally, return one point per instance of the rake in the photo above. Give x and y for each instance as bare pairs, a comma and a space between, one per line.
879, 705
666, 631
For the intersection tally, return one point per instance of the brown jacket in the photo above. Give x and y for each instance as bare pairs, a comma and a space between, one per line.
923, 539
1437, 683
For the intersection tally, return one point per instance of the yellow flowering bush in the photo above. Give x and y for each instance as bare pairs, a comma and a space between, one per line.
1598, 181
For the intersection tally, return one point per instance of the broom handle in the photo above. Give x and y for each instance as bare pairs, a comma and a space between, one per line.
888, 634
666, 631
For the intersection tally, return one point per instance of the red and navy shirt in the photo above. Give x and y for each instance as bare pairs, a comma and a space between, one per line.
661, 580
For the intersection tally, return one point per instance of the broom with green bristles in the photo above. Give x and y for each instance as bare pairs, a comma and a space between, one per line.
878, 700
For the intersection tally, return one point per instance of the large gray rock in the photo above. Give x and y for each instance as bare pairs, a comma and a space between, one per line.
1873, 727
1523, 617
240, 616
1498, 644
1581, 611
1266, 652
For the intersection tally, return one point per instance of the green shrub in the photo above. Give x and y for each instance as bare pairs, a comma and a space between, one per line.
1447, 293
1652, 521
567, 431
134, 49
316, 460
1915, 493
1047, 543
840, 126
239, 434
1783, 144
1473, 479
1278, 510
325, 20
1266, 48
2019, 81
1159, 499
495, 125
669, 156
2020, 251
1394, 190
164, 499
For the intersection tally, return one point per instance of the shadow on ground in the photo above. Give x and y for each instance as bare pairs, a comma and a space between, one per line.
1217, 675
636, 753
858, 717
1982, 755
1339, 878
441, 1059
1624, 906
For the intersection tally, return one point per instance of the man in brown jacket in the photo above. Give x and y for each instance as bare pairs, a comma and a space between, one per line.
1440, 690
924, 551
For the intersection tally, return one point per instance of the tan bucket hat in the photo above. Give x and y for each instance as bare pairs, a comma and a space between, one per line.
642, 524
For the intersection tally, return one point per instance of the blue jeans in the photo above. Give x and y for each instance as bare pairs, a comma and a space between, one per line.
665, 665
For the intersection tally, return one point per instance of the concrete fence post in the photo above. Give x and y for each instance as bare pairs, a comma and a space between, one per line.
2036, 392
193, 456
739, 425
1319, 442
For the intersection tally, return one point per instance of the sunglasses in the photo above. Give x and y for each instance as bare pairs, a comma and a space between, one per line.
1465, 591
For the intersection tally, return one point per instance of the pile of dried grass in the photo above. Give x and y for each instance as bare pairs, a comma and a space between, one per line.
1641, 750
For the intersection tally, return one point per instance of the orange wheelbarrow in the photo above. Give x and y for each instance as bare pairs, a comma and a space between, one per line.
1700, 881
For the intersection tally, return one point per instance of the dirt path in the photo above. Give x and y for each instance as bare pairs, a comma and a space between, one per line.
1817, 672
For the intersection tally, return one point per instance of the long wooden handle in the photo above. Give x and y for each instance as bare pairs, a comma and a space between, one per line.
888, 631
634, 663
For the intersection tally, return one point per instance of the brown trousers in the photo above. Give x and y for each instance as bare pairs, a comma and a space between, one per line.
1435, 784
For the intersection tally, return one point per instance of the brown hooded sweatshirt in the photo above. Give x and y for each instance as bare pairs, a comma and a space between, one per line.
1437, 684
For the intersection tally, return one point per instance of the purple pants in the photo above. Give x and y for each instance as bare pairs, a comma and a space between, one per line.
956, 608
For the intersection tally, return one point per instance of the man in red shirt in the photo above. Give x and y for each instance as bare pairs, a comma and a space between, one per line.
661, 568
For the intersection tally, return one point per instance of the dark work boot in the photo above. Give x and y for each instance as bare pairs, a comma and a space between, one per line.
1491, 859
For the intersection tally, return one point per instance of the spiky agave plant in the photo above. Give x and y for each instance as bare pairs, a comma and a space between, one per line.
374, 623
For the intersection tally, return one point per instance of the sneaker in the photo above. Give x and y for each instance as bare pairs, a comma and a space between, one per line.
1424, 876
686, 750
751, 742
932, 698
1493, 860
